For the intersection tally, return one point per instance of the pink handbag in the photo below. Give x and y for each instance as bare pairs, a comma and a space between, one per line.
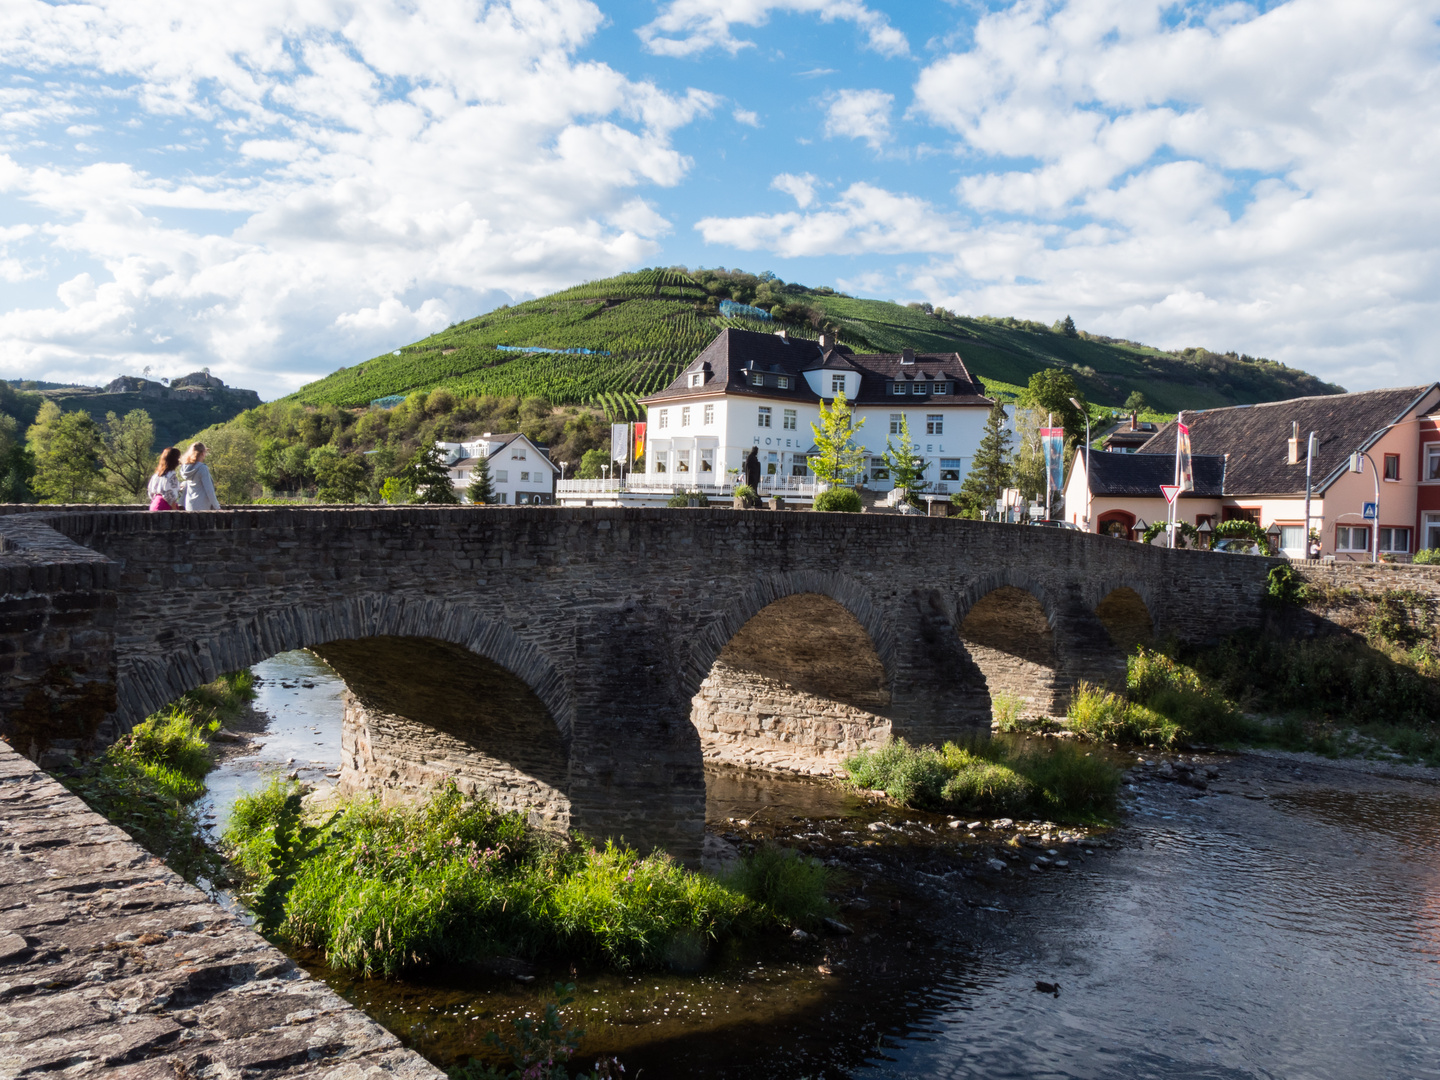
159, 503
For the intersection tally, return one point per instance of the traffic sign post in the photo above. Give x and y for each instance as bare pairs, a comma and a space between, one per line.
1371, 511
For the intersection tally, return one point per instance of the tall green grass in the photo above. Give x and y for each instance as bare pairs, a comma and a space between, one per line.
454, 880
1054, 779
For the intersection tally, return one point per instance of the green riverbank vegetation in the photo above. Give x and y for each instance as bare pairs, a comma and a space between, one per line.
453, 881
149, 782
1018, 776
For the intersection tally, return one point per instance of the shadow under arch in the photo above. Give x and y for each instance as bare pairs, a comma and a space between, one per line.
148, 683
1125, 612
800, 681
1007, 626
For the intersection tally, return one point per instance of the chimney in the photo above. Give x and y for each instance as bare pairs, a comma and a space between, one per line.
1293, 444
907, 356
827, 341
1135, 421
783, 335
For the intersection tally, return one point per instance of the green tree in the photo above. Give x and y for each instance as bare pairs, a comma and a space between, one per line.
230, 456
1066, 326
342, 477
592, 464
990, 472
429, 477
906, 469
127, 452
396, 491
1050, 392
481, 491
17, 465
64, 446
839, 458
1136, 402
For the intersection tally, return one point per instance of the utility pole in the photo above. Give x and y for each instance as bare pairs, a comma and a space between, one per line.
1309, 472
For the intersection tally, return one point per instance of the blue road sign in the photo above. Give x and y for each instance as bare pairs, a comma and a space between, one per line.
1370, 512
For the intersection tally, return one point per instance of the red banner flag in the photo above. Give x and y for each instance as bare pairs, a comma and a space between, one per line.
1184, 471
639, 442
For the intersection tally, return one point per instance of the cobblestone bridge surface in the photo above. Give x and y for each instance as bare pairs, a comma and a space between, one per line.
111, 966
637, 643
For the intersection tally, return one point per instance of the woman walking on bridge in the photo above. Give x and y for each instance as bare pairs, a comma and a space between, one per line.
199, 489
164, 486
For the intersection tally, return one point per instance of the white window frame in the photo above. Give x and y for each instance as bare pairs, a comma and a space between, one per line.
772, 463
783, 382
935, 424
940, 388
708, 417
1432, 461
682, 461
1387, 539
895, 419
790, 420
524, 478
1351, 531
664, 419
707, 460
837, 384
762, 418
950, 470
920, 388
897, 387
502, 476
697, 378
685, 416
1385, 460
662, 461
757, 379
1298, 531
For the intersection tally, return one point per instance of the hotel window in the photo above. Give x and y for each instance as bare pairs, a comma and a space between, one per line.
764, 418
682, 461
664, 419
1392, 466
798, 466
940, 388
1395, 540
934, 424
685, 416
950, 469
709, 417
772, 463
1432, 462
1352, 538
707, 461
897, 388
789, 422
756, 379
837, 384
661, 465
783, 382
697, 378
895, 419
502, 476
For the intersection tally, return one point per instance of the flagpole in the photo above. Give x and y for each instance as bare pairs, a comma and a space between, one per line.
1045, 446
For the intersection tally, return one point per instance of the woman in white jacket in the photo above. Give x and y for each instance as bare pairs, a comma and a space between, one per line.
164, 487
199, 489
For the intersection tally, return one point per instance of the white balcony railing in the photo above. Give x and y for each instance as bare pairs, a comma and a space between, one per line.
650, 484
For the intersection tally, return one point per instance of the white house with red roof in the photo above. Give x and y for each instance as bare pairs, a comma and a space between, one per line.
749, 390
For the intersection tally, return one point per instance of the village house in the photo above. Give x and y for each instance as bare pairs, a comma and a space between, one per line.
750, 390
1249, 462
521, 471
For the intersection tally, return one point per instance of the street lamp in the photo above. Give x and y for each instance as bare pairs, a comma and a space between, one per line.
1139, 527
1274, 534
1357, 466
563, 466
1205, 529
1087, 459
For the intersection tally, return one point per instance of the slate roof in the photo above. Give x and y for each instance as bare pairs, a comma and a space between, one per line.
1143, 474
727, 361
1255, 437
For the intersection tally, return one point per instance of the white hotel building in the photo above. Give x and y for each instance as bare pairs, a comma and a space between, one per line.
764, 391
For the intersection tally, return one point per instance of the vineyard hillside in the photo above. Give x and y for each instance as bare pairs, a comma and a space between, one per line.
608, 342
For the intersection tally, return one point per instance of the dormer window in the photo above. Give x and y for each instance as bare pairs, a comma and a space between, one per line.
897, 388
940, 388
697, 378
783, 382
756, 379
921, 388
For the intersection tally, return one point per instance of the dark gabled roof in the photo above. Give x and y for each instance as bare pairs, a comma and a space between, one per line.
1255, 437
505, 440
1143, 474
726, 361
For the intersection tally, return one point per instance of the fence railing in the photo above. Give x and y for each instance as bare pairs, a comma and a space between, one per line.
647, 485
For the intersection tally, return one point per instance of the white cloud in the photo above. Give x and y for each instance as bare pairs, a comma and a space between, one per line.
745, 116
689, 27
860, 114
373, 172
800, 188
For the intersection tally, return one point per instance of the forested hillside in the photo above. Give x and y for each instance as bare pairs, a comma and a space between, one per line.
629, 335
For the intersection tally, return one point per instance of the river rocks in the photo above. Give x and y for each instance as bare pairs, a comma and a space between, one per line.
835, 926
996, 864
800, 935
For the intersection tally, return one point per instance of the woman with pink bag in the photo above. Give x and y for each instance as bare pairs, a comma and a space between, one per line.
165, 484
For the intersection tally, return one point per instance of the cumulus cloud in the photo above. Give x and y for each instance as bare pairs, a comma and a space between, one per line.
860, 114
745, 116
371, 172
800, 188
690, 27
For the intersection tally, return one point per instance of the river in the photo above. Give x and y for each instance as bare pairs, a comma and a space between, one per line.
1283, 922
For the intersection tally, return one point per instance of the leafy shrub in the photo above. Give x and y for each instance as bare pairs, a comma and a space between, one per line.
1427, 557
839, 500
989, 777
1105, 717
172, 740
784, 883
1006, 712
1285, 585
1180, 695
746, 494
1240, 529
682, 499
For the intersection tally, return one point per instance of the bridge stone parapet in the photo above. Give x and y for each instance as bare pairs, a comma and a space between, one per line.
613, 619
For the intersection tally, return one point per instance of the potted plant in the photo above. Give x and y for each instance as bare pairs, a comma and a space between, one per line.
745, 497
777, 502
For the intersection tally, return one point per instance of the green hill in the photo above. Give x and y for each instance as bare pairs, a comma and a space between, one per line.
630, 335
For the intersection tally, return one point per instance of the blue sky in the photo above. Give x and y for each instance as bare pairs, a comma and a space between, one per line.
278, 188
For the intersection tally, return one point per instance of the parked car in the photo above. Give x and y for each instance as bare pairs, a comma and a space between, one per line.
1057, 524
1238, 546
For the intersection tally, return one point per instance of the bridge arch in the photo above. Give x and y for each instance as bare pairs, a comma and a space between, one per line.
1008, 626
148, 683
1127, 613
799, 681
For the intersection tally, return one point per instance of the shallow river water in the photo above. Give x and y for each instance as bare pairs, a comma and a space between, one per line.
1283, 923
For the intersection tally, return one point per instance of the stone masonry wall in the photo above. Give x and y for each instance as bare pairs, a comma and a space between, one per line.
614, 617
111, 966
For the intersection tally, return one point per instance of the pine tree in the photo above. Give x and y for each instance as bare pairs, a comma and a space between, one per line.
905, 467
481, 490
839, 458
429, 478
1067, 327
989, 474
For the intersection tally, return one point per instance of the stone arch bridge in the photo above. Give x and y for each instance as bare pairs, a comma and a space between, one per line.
584, 663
